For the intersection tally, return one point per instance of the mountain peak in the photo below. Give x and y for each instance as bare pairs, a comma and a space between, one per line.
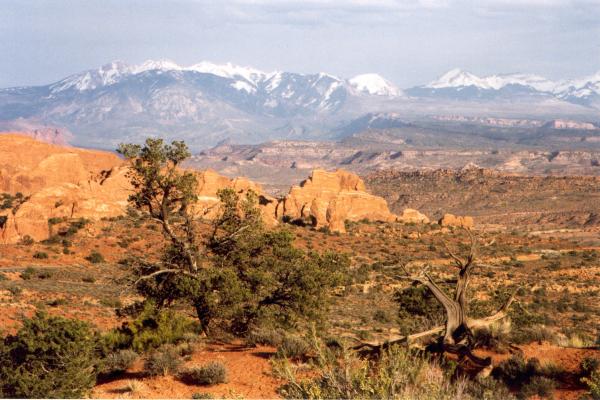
374, 84
456, 78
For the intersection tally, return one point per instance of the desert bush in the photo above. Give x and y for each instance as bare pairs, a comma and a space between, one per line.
538, 385
3, 277
495, 337
118, 362
15, 290
40, 255
26, 240
29, 272
593, 384
529, 377
212, 373
49, 357
397, 373
44, 274
264, 336
588, 365
163, 361
88, 279
151, 329
293, 347
95, 258
200, 396
536, 333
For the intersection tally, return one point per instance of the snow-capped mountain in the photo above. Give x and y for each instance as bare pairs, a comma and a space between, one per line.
205, 100
205, 103
374, 84
460, 84
456, 78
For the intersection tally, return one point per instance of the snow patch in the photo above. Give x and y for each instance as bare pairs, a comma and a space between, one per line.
374, 84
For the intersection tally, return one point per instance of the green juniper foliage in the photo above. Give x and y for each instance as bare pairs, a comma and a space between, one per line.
49, 357
235, 275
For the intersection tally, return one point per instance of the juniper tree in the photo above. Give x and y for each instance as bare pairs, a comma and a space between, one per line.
235, 273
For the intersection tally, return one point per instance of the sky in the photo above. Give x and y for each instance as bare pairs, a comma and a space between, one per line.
409, 42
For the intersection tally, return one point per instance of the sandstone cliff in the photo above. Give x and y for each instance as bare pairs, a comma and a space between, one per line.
63, 182
328, 199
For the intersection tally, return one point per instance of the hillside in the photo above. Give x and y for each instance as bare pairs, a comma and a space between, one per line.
493, 197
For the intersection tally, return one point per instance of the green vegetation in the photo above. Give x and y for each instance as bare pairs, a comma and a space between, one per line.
151, 329
95, 258
245, 275
209, 374
49, 357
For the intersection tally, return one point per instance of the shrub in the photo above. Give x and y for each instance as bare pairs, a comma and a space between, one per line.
209, 374
540, 386
150, 330
44, 274
28, 273
3, 277
40, 255
163, 362
293, 347
49, 357
95, 258
88, 279
341, 374
15, 290
118, 362
588, 365
593, 384
269, 337
26, 240
199, 396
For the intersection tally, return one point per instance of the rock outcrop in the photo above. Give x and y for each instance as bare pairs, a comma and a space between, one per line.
328, 199
209, 184
456, 221
28, 165
412, 216
65, 182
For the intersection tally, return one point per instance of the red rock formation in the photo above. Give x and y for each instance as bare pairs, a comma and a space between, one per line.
328, 199
456, 221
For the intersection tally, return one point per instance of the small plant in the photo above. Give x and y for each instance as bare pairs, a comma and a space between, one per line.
269, 337
593, 384
88, 279
540, 386
3, 277
57, 302
119, 362
292, 347
95, 258
44, 274
199, 396
15, 290
28, 273
26, 240
163, 361
134, 386
40, 255
209, 374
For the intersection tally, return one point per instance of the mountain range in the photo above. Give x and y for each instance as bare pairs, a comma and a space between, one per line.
206, 103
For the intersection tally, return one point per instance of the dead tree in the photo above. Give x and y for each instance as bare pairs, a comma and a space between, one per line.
459, 327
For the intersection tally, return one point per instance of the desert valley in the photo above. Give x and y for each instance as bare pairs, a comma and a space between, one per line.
300, 199
71, 240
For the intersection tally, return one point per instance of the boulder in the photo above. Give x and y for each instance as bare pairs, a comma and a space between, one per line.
328, 199
456, 221
410, 215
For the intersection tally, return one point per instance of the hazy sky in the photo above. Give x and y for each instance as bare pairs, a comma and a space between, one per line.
408, 41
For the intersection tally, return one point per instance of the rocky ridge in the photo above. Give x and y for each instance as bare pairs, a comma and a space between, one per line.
55, 183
